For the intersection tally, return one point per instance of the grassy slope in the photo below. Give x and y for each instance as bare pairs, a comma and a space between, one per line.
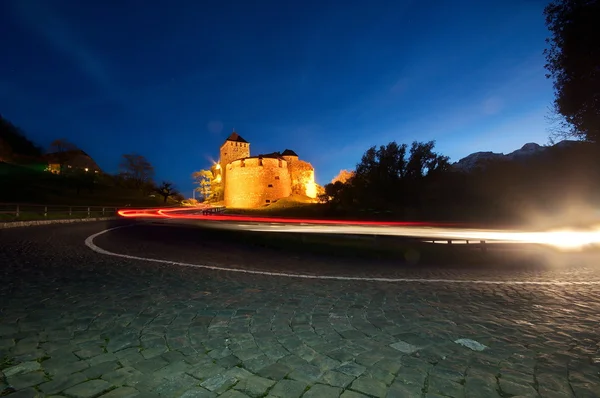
31, 185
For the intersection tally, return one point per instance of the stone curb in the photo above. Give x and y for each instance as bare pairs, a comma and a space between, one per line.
14, 224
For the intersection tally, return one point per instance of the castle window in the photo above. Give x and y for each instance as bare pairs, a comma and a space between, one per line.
243, 163
277, 177
280, 164
260, 162
268, 201
270, 185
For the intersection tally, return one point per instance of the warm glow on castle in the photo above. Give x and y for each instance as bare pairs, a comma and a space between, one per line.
254, 181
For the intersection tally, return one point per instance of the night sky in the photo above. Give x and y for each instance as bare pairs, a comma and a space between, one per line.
171, 79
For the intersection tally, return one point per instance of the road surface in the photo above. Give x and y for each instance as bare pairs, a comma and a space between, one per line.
164, 310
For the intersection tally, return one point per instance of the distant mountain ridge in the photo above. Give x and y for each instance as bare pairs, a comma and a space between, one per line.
479, 159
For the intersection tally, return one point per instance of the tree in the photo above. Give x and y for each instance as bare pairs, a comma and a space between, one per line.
137, 171
209, 183
62, 150
166, 189
390, 176
573, 62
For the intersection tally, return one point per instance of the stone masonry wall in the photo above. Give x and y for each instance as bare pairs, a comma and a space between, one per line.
256, 182
230, 151
302, 176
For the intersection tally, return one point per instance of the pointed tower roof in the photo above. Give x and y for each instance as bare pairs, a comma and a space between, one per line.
289, 152
235, 137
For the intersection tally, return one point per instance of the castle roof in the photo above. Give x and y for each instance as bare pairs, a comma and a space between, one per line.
289, 152
235, 137
273, 155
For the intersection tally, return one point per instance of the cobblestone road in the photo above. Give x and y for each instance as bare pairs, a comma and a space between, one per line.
75, 323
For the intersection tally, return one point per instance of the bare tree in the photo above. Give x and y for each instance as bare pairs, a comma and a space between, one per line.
167, 189
137, 170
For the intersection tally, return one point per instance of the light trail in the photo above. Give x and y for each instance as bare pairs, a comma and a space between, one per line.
562, 239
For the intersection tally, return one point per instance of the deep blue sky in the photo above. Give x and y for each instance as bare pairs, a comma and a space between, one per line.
328, 79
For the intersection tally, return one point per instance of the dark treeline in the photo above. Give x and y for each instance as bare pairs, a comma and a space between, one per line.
416, 183
27, 170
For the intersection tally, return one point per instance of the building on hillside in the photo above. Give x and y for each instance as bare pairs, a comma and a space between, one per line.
254, 181
76, 160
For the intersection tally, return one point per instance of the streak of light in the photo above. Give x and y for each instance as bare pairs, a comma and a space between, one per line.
562, 239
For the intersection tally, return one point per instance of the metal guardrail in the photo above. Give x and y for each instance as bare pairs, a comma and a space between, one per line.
20, 212
213, 210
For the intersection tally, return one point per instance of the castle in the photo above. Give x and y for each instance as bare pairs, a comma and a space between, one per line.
254, 181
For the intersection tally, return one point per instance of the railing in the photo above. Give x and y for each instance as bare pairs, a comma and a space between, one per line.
24, 212
213, 210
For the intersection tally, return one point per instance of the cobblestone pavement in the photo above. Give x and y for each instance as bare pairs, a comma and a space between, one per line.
75, 323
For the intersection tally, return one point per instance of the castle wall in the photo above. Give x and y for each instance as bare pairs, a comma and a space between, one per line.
256, 182
302, 175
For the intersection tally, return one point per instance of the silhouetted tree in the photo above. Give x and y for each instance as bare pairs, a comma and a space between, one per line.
166, 189
573, 62
137, 171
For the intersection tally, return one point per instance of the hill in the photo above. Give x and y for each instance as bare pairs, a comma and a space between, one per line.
31, 184
527, 151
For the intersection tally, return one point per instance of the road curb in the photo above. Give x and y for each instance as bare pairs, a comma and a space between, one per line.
15, 224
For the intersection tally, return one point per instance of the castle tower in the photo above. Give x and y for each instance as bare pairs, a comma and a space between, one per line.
234, 148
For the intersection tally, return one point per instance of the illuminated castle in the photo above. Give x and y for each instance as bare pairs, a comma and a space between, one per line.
254, 181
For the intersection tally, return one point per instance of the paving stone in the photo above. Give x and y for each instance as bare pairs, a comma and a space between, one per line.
233, 394
351, 369
121, 392
27, 393
151, 365
401, 390
481, 386
21, 368
439, 385
288, 389
354, 394
198, 392
61, 383
89, 389
336, 379
254, 386
153, 352
55, 367
369, 386
24, 380
108, 357
89, 352
404, 347
219, 383
275, 371
322, 391
206, 371
176, 385
94, 372
122, 375
306, 373
516, 389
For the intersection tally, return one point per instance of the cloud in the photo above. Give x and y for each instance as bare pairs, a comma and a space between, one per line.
214, 127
